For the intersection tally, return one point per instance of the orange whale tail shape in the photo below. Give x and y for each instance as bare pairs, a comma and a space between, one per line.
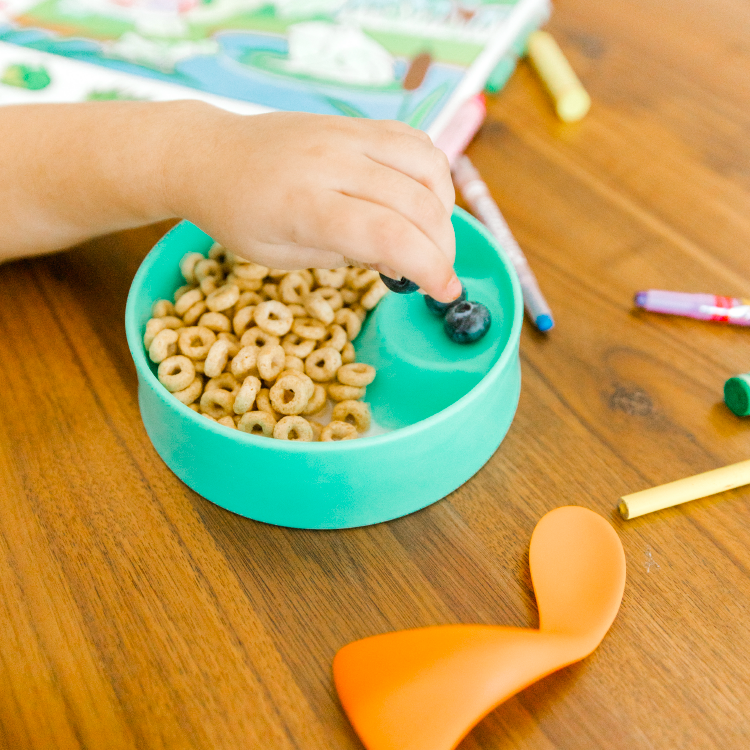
425, 689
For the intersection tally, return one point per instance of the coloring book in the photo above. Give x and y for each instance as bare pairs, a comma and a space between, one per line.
412, 60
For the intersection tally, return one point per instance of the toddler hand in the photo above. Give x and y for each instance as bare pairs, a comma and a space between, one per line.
293, 190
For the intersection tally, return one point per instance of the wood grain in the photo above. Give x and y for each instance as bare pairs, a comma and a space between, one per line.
134, 614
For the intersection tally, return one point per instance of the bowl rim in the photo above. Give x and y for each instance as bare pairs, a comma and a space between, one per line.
137, 352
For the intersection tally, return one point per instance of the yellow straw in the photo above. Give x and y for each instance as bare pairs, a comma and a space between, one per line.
683, 490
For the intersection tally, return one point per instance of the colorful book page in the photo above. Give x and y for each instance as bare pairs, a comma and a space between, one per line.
364, 58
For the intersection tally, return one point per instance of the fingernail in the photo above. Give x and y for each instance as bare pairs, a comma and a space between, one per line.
454, 287
387, 271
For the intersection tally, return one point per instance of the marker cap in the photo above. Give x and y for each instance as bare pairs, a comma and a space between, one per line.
737, 394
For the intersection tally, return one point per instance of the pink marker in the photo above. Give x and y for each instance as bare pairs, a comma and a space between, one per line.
700, 306
458, 133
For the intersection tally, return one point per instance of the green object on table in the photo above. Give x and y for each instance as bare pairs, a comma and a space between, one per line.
501, 73
507, 64
26, 77
448, 405
737, 394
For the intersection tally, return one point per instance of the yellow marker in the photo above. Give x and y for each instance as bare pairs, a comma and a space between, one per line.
691, 488
571, 100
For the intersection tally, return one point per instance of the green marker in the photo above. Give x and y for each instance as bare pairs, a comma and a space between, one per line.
737, 394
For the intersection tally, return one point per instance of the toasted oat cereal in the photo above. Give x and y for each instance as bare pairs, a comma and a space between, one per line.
245, 361
243, 319
293, 428
322, 364
331, 296
206, 268
246, 299
350, 296
290, 394
334, 431
333, 277
162, 308
226, 381
270, 291
215, 321
354, 412
263, 402
233, 341
217, 403
156, 325
357, 374
221, 255
250, 271
182, 290
348, 355
349, 321
163, 345
359, 311
307, 275
196, 341
217, 358
335, 337
339, 392
293, 288
270, 345
176, 373
257, 423
309, 328
187, 266
227, 422
245, 285
187, 300
223, 298
360, 278
273, 317
318, 308
296, 346
270, 361
317, 429
192, 316
294, 363
191, 393
373, 295
258, 337
317, 401
246, 395
208, 285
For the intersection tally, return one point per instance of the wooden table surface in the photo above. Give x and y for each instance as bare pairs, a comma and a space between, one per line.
135, 614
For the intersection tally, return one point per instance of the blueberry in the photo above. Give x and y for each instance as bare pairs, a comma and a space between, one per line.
400, 286
440, 308
467, 321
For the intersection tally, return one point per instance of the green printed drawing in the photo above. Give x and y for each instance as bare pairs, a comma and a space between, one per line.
107, 95
345, 108
26, 77
417, 116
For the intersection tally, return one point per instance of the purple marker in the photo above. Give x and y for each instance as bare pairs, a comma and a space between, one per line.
700, 306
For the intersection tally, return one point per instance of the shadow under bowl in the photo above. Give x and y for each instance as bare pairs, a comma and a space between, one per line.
447, 406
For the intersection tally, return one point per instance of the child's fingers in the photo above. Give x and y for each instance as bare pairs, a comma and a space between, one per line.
375, 234
396, 126
416, 203
417, 159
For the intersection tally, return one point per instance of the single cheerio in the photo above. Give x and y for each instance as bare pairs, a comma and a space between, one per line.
737, 394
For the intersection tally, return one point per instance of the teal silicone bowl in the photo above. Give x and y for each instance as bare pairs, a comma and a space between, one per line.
447, 406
